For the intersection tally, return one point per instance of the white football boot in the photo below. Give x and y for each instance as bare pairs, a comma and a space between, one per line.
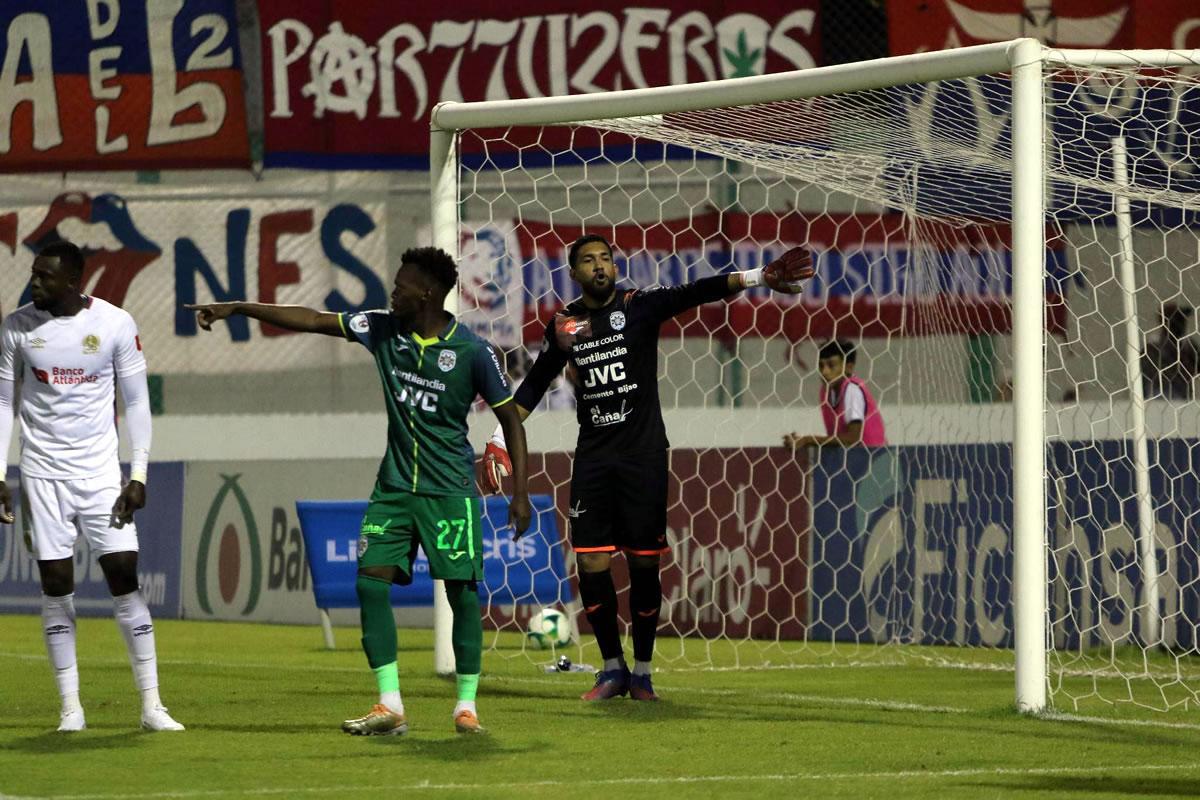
157, 719
71, 720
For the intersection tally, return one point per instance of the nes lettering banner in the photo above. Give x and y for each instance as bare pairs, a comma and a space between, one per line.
351, 84
118, 84
152, 255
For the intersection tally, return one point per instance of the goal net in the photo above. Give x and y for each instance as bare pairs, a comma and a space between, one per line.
903, 193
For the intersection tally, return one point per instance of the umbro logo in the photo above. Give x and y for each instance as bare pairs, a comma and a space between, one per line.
55, 630
38, 343
142, 630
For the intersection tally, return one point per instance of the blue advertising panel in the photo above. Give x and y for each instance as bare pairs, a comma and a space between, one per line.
914, 544
528, 570
160, 526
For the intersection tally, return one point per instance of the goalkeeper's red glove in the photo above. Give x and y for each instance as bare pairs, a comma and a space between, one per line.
785, 273
496, 463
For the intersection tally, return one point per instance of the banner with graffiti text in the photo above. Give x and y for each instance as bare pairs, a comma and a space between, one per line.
350, 85
877, 275
154, 255
120, 85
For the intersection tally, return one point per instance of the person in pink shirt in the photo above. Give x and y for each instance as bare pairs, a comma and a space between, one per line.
848, 409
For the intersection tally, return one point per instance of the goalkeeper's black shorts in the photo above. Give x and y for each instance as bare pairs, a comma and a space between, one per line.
619, 504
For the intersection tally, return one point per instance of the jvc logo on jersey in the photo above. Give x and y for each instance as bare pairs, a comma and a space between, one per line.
418, 398
598, 376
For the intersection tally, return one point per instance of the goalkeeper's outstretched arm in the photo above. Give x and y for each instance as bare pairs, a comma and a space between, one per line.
293, 318
785, 274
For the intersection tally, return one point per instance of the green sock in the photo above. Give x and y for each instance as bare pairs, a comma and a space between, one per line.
388, 678
378, 624
468, 685
466, 634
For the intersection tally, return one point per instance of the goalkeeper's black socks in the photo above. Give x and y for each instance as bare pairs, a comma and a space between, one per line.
645, 604
599, 598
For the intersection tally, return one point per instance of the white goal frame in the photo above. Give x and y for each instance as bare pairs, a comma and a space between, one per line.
1023, 59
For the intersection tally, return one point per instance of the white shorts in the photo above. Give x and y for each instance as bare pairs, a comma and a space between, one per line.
57, 510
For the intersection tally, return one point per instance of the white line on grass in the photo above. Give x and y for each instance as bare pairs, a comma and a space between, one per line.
1055, 716
574, 783
861, 702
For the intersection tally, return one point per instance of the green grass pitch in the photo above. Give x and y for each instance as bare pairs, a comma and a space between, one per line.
263, 706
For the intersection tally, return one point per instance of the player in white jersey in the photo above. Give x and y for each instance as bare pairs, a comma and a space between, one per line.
69, 352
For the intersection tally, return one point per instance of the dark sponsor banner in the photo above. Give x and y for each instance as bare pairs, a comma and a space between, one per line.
737, 524
868, 282
111, 85
160, 526
529, 570
914, 544
350, 85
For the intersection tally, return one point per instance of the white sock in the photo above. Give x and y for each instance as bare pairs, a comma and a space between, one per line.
611, 664
58, 629
133, 617
392, 700
465, 705
641, 668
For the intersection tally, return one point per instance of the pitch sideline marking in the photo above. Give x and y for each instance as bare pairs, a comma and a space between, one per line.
650, 781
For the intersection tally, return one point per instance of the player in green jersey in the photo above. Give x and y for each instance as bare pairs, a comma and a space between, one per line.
432, 369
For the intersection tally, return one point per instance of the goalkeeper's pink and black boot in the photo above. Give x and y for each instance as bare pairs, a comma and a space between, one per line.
609, 684
641, 689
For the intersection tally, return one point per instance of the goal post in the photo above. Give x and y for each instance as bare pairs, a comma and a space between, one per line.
1017, 198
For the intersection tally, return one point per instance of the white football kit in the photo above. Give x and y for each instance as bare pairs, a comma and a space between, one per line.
68, 368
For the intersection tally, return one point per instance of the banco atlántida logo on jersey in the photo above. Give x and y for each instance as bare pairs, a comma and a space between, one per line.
229, 556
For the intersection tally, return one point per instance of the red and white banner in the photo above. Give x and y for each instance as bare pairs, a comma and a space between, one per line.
737, 523
874, 279
110, 85
351, 84
916, 26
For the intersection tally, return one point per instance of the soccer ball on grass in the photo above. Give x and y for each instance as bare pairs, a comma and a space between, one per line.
548, 628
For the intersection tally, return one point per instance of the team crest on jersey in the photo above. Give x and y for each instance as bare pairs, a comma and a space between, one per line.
91, 344
363, 542
617, 320
446, 360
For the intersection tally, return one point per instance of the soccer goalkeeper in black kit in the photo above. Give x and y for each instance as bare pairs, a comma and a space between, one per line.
619, 482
